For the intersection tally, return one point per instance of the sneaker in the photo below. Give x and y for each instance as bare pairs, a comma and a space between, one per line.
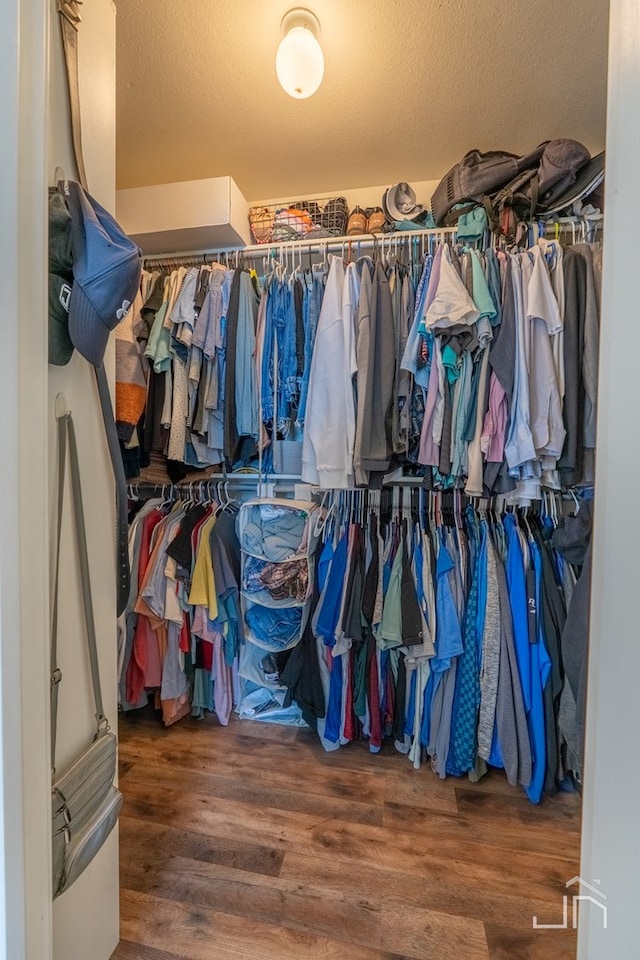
357, 222
335, 215
270, 668
376, 221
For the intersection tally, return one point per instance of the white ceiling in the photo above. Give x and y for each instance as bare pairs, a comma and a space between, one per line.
409, 86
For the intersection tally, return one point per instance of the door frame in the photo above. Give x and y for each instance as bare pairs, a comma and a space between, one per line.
25, 777
612, 774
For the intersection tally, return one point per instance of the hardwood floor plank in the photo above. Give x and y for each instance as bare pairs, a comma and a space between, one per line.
256, 898
124, 766
126, 950
425, 934
177, 842
447, 890
196, 934
325, 835
417, 786
269, 746
267, 743
268, 731
493, 782
561, 813
507, 944
436, 803
361, 786
416, 932
505, 834
142, 725
258, 790
147, 724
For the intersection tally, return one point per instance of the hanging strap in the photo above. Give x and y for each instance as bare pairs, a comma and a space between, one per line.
123, 571
66, 429
69, 20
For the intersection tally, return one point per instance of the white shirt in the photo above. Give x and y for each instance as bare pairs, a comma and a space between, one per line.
329, 428
451, 304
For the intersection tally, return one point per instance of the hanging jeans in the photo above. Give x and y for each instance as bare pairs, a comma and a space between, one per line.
314, 292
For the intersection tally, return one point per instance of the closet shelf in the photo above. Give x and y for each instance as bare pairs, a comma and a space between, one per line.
193, 213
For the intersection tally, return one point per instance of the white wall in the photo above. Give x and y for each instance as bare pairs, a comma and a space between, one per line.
86, 917
25, 800
610, 842
362, 196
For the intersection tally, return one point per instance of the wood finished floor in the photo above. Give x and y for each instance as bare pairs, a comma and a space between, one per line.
251, 843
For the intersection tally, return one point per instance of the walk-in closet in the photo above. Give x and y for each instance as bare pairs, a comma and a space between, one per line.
334, 386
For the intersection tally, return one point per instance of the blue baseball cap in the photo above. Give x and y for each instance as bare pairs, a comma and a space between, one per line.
106, 273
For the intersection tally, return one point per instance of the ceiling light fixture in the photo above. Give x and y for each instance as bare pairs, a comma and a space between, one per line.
299, 60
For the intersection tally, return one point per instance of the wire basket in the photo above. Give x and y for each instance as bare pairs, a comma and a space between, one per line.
302, 220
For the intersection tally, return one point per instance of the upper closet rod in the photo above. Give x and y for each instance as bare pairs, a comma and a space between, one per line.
581, 228
365, 241
257, 251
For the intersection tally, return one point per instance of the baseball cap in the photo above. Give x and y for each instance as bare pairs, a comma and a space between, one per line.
587, 180
60, 280
60, 346
60, 256
106, 273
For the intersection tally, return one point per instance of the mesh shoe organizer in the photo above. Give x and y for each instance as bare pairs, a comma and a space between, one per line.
278, 540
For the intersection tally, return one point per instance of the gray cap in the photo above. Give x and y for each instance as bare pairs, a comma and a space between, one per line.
60, 346
60, 280
587, 180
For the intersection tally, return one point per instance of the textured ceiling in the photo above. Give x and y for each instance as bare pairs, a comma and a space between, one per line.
409, 86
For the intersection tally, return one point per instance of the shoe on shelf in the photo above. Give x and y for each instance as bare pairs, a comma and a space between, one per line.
270, 668
357, 222
376, 221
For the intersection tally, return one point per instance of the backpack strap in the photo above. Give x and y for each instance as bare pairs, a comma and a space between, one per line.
454, 215
123, 571
512, 188
69, 20
535, 192
66, 431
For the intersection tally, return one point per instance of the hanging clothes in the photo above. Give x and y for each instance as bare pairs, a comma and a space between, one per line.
329, 428
475, 369
182, 626
462, 618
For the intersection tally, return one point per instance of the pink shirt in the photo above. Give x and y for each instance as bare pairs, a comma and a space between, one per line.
494, 429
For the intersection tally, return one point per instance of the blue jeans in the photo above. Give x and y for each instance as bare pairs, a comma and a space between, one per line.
266, 396
329, 614
412, 348
275, 629
314, 293
288, 386
307, 283
281, 332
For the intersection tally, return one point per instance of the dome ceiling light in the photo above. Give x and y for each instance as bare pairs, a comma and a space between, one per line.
299, 60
